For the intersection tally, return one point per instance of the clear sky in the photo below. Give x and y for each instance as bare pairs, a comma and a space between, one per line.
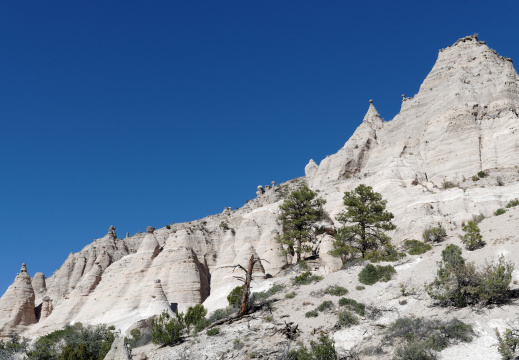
136, 113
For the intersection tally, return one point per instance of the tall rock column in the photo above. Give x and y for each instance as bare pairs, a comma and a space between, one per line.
17, 305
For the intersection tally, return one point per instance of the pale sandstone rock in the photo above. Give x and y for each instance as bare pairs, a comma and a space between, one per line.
118, 351
17, 305
46, 308
463, 120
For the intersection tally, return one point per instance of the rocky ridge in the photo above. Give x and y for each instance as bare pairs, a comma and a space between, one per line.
463, 120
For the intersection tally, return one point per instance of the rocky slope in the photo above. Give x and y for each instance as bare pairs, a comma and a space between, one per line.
463, 120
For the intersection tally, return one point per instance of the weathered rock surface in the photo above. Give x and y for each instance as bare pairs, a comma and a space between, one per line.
463, 120
17, 305
118, 351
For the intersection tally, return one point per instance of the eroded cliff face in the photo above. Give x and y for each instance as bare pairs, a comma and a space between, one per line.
463, 120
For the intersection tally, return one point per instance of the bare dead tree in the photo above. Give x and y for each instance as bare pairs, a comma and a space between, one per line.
246, 279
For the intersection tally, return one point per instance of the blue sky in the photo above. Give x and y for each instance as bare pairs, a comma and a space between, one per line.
148, 113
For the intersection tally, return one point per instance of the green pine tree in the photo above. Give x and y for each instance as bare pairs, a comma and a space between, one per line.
299, 212
472, 238
365, 222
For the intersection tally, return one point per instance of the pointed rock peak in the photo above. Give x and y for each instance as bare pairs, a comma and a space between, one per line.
310, 169
372, 116
149, 244
150, 229
24, 268
111, 232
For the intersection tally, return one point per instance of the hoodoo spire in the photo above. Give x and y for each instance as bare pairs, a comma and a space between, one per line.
372, 116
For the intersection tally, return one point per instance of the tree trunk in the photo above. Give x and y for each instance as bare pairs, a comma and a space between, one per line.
246, 287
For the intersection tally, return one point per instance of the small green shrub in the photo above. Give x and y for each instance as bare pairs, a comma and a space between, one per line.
347, 319
415, 247
460, 284
351, 304
507, 345
472, 239
323, 349
311, 314
194, 314
434, 234
219, 314
325, 305
234, 297
212, 332
512, 203
268, 318
168, 227
414, 350
482, 174
499, 211
263, 295
201, 325
360, 287
353, 262
290, 295
336, 290
166, 330
306, 278
372, 274
303, 265
224, 226
387, 253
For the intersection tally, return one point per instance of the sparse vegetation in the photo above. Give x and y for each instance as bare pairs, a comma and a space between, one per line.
508, 344
325, 305
212, 332
137, 338
168, 227
336, 290
263, 295
448, 184
299, 212
234, 297
434, 234
360, 287
351, 304
290, 295
371, 274
194, 315
166, 330
388, 253
478, 218
347, 319
75, 342
365, 223
219, 314
499, 211
460, 284
224, 226
512, 203
482, 174
416, 247
475, 178
472, 239
311, 314
423, 335
306, 278
322, 349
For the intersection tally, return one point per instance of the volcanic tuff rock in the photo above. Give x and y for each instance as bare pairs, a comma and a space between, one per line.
463, 120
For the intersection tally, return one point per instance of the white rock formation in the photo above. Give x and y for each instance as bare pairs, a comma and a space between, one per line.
464, 119
17, 305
